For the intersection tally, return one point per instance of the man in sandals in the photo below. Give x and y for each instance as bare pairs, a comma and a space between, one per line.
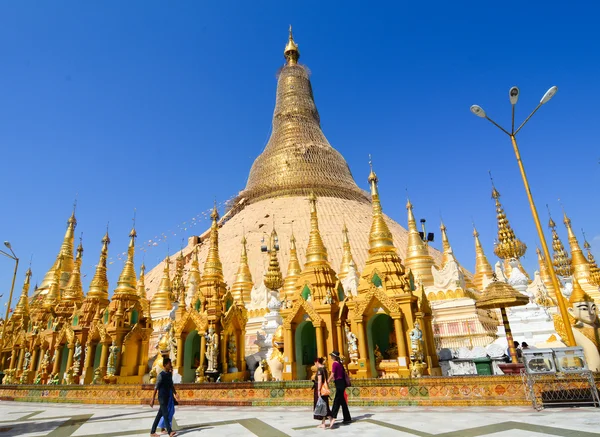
165, 389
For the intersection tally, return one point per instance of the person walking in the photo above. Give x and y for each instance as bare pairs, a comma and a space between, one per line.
171, 408
165, 389
321, 391
338, 375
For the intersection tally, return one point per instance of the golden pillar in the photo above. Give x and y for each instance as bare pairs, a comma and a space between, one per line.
179, 357
242, 350
34, 356
39, 364
320, 344
202, 350
13, 359
104, 356
362, 340
86, 359
401, 339
340, 338
21, 357
70, 357
143, 363
57, 357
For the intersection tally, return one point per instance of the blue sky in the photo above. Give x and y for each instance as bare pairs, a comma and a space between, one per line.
163, 106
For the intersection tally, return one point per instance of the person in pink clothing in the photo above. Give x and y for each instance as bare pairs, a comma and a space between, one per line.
338, 375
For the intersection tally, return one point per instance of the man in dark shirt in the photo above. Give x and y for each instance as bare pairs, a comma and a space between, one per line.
165, 389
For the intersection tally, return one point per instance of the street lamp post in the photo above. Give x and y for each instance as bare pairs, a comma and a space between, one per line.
12, 287
478, 111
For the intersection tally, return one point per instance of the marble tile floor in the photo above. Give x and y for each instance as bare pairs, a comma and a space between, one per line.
63, 420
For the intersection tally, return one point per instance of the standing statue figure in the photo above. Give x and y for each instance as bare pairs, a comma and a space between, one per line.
352, 345
212, 349
76, 357
231, 352
112, 360
328, 298
416, 339
26, 360
45, 362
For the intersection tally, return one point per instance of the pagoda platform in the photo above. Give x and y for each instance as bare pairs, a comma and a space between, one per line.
426, 391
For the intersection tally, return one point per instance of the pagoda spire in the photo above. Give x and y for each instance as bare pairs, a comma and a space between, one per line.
544, 273
418, 259
291, 52
213, 286
447, 249
347, 259
560, 257
22, 308
141, 291
53, 296
316, 253
380, 237
74, 290
273, 278
293, 270
298, 159
580, 265
508, 246
64, 258
213, 269
194, 279
482, 265
241, 288
99, 285
594, 269
127, 282
161, 301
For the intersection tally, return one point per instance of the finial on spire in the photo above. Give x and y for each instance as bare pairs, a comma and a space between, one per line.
507, 246
291, 52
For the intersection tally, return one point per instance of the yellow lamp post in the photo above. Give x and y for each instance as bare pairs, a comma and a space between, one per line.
12, 287
478, 111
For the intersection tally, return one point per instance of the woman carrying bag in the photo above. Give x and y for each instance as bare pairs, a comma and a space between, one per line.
340, 378
321, 394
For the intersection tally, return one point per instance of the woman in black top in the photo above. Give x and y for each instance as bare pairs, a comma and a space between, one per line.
320, 380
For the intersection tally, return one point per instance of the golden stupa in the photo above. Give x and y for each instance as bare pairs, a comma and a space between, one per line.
297, 161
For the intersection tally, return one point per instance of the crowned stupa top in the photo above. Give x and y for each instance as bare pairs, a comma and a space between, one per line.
298, 159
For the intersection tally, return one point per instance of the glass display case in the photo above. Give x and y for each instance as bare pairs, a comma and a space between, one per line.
570, 359
539, 361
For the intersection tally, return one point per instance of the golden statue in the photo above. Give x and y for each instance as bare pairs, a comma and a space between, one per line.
584, 318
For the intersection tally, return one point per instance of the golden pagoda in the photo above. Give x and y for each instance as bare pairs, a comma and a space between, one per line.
418, 258
581, 267
141, 289
273, 278
242, 285
293, 271
347, 259
483, 268
594, 269
561, 261
161, 301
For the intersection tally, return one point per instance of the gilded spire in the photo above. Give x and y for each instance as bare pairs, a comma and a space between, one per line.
194, 278
418, 259
22, 308
141, 291
578, 295
298, 159
99, 285
347, 259
482, 265
127, 282
580, 265
74, 290
242, 284
560, 257
380, 237
293, 270
161, 301
594, 269
273, 278
291, 52
53, 295
507, 246
447, 250
544, 273
316, 253
213, 269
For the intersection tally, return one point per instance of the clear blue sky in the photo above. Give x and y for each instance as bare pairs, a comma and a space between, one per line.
163, 106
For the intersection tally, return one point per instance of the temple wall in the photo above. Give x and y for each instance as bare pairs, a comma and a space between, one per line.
431, 391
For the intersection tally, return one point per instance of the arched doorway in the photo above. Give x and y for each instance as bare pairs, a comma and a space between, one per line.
306, 348
191, 356
379, 329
